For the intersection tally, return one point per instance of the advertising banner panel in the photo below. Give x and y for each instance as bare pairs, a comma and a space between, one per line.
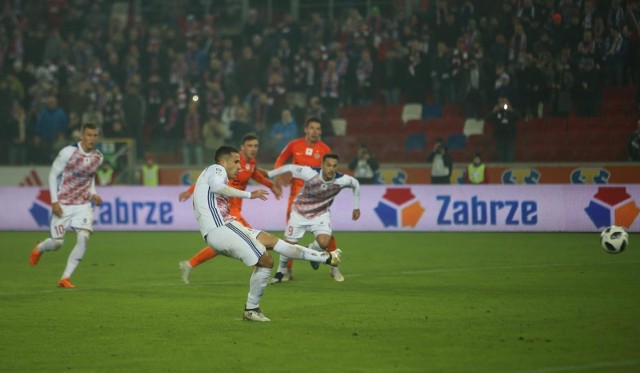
506, 208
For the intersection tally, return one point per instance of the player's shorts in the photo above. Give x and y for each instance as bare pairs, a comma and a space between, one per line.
298, 225
73, 216
236, 241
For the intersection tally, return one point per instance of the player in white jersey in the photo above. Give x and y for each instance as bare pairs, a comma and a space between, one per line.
230, 238
72, 187
310, 209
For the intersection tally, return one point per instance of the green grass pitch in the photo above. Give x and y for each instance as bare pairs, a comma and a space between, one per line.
411, 302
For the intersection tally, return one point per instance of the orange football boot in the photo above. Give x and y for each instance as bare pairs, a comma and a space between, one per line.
65, 283
35, 256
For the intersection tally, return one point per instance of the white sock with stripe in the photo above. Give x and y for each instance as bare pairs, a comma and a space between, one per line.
294, 251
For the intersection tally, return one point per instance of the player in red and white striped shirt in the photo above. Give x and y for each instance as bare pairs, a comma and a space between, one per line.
310, 209
72, 186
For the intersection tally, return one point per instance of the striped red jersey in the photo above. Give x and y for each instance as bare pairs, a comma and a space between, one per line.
72, 177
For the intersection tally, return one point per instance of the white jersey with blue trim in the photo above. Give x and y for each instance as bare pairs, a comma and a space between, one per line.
318, 194
210, 198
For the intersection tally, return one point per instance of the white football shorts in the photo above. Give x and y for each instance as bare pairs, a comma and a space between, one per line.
73, 216
236, 241
298, 225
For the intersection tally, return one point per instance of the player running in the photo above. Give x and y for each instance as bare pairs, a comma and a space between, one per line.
248, 170
73, 188
305, 151
310, 210
232, 239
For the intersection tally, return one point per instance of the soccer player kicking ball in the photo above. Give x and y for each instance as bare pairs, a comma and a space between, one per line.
310, 210
248, 170
232, 239
72, 186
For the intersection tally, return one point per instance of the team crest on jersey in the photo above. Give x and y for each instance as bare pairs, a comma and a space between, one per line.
324, 186
247, 166
308, 151
316, 156
87, 160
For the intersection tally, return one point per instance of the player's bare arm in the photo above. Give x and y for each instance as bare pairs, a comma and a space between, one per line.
56, 209
97, 200
184, 196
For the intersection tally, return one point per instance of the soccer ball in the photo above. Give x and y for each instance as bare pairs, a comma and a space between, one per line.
614, 239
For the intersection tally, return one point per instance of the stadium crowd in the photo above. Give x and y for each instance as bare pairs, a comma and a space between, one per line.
176, 82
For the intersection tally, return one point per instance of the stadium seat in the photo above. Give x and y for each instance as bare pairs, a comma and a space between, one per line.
473, 126
415, 126
415, 142
411, 111
456, 142
339, 126
431, 111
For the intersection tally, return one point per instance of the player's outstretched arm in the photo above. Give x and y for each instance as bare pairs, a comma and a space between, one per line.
187, 193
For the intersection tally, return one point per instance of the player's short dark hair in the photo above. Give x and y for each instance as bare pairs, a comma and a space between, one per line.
250, 136
89, 126
224, 151
330, 156
312, 119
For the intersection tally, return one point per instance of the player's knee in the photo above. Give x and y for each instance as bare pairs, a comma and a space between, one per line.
323, 241
83, 236
266, 261
57, 243
267, 239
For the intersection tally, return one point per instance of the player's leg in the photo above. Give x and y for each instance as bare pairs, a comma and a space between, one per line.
81, 220
75, 257
295, 189
320, 243
57, 229
187, 265
238, 242
292, 234
321, 228
294, 251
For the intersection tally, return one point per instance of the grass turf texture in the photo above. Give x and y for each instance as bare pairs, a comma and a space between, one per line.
411, 302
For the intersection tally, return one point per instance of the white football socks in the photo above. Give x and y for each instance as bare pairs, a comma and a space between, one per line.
50, 245
77, 253
294, 251
257, 284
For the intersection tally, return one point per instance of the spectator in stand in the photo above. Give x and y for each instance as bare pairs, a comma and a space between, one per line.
561, 86
615, 51
38, 151
588, 90
167, 126
192, 145
17, 136
284, 130
476, 172
214, 135
133, 108
52, 120
441, 163
330, 89
504, 119
633, 147
441, 75
364, 166
391, 76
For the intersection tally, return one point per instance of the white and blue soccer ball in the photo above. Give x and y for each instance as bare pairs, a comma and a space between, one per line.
614, 239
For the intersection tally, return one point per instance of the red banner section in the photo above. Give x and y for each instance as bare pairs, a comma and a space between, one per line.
511, 174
